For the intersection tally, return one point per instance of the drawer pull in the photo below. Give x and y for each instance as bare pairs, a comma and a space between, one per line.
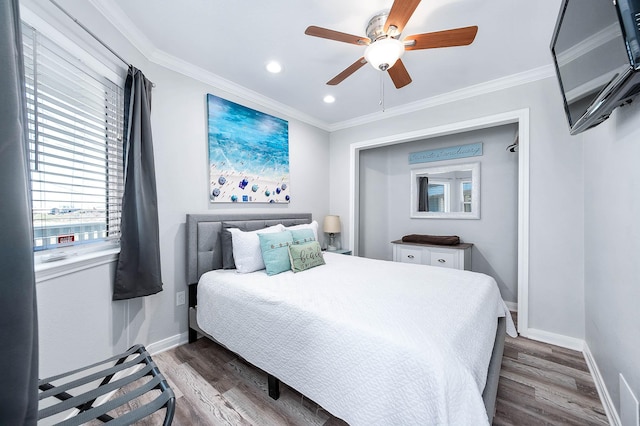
410, 256
441, 260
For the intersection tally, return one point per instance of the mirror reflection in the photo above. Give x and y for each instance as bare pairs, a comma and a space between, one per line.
450, 192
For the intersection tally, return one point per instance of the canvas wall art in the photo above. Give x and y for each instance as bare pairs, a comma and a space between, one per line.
248, 154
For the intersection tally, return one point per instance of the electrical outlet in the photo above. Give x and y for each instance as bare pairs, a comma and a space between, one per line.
629, 411
180, 298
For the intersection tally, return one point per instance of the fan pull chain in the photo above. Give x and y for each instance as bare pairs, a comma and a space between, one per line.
381, 103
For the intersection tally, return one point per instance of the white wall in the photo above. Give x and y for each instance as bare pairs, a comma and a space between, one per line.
494, 235
556, 294
78, 322
612, 245
583, 229
180, 143
373, 235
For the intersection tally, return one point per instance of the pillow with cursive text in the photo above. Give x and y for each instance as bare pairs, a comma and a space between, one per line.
305, 256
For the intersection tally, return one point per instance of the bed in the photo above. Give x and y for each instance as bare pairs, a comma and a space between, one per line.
373, 342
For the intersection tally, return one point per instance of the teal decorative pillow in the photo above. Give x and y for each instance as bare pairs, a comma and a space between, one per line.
305, 256
301, 236
313, 226
274, 251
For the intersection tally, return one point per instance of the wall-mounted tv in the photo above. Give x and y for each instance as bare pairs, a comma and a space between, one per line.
596, 50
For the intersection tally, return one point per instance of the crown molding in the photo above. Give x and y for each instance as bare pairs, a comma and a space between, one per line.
502, 83
125, 26
188, 69
139, 40
129, 30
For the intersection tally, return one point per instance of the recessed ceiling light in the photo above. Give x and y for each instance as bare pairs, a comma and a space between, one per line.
329, 99
274, 67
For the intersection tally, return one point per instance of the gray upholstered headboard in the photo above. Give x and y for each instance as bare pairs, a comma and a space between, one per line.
204, 236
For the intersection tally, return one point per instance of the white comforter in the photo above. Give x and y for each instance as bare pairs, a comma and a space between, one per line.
373, 342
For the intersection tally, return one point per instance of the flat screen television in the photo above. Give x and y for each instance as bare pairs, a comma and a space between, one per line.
596, 51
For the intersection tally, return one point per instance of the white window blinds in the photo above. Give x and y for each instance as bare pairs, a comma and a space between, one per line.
75, 146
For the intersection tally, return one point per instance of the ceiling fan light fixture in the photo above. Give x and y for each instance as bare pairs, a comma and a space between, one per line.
382, 54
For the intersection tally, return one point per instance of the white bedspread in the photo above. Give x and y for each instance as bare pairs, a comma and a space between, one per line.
373, 342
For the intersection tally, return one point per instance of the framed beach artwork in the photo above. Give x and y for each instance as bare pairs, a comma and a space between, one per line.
248, 154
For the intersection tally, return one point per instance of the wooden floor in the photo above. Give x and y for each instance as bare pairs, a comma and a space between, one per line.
540, 384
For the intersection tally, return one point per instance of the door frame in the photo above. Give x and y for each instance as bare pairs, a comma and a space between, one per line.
521, 118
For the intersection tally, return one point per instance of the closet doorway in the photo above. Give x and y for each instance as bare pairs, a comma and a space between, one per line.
513, 123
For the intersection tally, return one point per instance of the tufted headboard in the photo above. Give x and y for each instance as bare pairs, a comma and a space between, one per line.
206, 241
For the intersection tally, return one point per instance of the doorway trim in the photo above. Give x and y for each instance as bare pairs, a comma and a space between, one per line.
521, 118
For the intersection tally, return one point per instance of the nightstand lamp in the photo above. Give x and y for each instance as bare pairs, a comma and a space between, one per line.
331, 226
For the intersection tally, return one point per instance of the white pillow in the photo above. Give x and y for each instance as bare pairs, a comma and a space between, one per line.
246, 248
313, 226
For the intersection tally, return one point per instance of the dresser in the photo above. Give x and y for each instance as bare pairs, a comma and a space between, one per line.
455, 257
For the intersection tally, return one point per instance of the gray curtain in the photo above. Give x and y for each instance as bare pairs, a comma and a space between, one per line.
138, 269
423, 194
18, 309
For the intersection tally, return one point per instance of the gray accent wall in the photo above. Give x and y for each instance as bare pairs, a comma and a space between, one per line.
385, 200
556, 216
78, 322
180, 144
584, 209
612, 247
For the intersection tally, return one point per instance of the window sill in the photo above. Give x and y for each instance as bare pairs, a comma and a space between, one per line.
49, 270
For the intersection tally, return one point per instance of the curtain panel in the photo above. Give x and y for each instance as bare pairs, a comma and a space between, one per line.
18, 308
423, 194
138, 270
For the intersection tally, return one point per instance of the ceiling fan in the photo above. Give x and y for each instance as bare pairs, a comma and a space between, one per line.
384, 49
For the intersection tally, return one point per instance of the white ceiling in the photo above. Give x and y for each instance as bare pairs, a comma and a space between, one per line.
233, 40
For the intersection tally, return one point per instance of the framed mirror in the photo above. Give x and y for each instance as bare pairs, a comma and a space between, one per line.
446, 192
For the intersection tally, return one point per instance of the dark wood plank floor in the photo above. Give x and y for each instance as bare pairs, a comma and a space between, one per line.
540, 384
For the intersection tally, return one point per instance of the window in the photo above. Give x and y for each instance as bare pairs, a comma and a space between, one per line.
75, 119
438, 194
465, 191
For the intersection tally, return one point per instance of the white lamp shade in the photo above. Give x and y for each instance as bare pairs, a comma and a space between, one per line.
331, 224
383, 54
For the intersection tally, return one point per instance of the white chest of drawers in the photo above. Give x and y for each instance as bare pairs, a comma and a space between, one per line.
455, 257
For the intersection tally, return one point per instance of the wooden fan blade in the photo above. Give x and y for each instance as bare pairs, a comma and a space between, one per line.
448, 38
336, 35
347, 72
399, 15
399, 74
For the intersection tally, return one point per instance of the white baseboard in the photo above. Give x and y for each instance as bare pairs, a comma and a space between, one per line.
554, 339
168, 343
603, 393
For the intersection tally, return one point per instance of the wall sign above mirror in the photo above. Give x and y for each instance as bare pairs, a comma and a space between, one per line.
448, 153
446, 192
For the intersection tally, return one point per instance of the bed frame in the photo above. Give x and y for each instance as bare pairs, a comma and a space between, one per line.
204, 253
